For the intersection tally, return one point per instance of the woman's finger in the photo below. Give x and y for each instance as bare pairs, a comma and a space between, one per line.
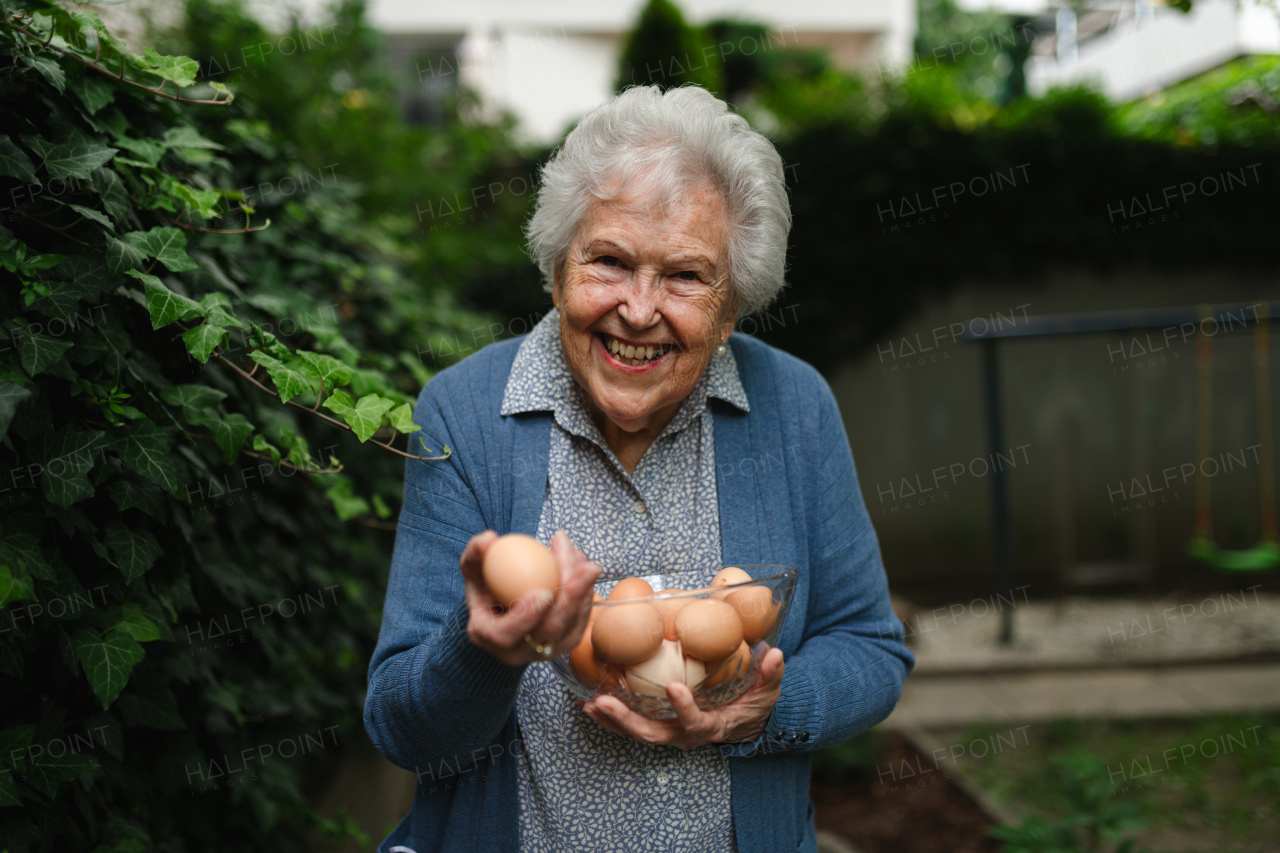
472, 560
702, 725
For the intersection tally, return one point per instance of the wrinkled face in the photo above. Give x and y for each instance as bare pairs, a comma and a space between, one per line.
644, 300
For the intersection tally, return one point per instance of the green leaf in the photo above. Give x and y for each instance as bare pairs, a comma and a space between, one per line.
186, 136
121, 257
261, 445
93, 91
202, 202
331, 372
401, 418
17, 545
289, 382
192, 399
15, 585
218, 311
49, 69
107, 184
163, 304
49, 772
180, 69
70, 455
167, 245
107, 661
202, 340
75, 159
94, 215
11, 394
134, 553
14, 162
296, 446
346, 503
230, 433
146, 450
365, 416
128, 494
39, 351
146, 151
134, 622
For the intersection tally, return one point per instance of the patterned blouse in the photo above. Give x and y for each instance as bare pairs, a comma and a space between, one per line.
582, 787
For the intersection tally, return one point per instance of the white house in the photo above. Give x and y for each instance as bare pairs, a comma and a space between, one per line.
1129, 48
550, 61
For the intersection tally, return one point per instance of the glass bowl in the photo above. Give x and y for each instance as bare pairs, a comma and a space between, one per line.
716, 682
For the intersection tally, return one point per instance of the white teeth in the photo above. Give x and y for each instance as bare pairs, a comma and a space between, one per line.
631, 351
632, 354
648, 352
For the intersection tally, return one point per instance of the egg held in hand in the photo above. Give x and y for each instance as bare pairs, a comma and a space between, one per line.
708, 630
669, 607
757, 610
590, 670
651, 677
516, 564
625, 634
736, 665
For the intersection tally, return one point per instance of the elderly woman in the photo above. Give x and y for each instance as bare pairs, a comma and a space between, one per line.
631, 430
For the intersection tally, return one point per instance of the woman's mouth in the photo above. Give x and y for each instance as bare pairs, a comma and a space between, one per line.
633, 355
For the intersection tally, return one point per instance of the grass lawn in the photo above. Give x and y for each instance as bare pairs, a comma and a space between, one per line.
1203, 784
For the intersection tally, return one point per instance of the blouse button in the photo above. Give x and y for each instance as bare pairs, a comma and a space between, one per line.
779, 735
663, 778
804, 736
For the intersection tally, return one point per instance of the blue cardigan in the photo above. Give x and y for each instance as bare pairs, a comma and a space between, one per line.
788, 493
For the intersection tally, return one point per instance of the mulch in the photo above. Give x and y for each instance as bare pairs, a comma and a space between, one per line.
905, 806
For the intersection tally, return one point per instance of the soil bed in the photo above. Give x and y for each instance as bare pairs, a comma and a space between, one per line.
885, 810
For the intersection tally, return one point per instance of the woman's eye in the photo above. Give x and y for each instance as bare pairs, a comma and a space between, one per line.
687, 275
608, 260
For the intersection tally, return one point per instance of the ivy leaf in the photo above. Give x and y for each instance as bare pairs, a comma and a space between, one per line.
331, 372
11, 394
217, 310
128, 494
346, 503
15, 586
296, 446
202, 202
14, 162
121, 257
94, 215
163, 304
202, 340
93, 91
146, 151
107, 184
146, 450
365, 416
401, 418
230, 433
186, 136
70, 455
48, 772
74, 159
17, 546
289, 382
49, 69
134, 553
180, 69
193, 399
39, 351
134, 622
166, 245
107, 661
261, 445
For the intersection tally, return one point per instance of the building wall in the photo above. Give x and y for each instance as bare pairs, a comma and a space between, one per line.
1083, 417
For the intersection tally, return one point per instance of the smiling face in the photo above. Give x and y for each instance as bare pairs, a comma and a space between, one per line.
639, 276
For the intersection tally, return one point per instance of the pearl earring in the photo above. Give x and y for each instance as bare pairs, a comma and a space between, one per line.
720, 350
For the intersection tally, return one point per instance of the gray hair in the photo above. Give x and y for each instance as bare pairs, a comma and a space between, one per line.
673, 141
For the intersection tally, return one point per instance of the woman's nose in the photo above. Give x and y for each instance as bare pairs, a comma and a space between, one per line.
640, 302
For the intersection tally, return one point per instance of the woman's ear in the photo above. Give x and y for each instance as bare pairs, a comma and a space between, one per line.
557, 285
730, 317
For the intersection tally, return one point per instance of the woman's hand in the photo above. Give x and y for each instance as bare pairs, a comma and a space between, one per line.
557, 622
744, 719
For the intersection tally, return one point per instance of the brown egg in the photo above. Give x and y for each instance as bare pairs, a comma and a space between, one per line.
739, 663
726, 576
755, 607
596, 598
516, 564
708, 629
630, 588
625, 634
669, 608
583, 662
651, 677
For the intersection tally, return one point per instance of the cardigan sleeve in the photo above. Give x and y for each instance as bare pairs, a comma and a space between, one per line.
435, 699
848, 671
